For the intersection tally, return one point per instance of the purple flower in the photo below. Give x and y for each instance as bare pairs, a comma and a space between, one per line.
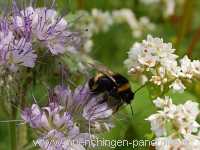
47, 117
41, 27
35, 117
81, 101
72, 113
55, 140
14, 52
46, 26
22, 21
96, 110
21, 53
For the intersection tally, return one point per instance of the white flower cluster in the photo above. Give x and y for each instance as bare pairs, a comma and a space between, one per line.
99, 21
175, 126
137, 26
168, 5
157, 61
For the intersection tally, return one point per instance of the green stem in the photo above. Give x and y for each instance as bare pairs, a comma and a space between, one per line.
40, 3
186, 19
13, 136
22, 136
80, 4
22, 130
194, 42
12, 127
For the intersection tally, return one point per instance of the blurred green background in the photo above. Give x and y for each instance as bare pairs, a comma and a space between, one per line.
110, 48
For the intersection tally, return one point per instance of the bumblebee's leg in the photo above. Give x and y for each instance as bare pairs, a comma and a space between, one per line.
105, 99
116, 108
113, 92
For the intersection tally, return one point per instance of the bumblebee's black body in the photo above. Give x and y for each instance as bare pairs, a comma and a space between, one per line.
116, 85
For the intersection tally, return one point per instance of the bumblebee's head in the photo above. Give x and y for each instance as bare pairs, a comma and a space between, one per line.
128, 96
91, 83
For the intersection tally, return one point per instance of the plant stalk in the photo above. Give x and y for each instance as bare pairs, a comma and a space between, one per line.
12, 128
185, 23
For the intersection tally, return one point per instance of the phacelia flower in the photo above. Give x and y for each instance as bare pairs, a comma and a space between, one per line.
46, 26
69, 116
13, 51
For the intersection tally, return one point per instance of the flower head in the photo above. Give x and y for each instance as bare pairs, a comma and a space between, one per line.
46, 26
186, 67
170, 143
102, 20
14, 51
137, 26
69, 114
149, 53
196, 68
157, 61
175, 124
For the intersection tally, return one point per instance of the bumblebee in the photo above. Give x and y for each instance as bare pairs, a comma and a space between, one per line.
116, 85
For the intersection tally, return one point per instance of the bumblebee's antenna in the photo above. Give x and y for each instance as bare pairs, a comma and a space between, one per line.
131, 109
136, 92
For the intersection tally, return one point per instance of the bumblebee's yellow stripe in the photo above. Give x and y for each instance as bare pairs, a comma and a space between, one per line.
123, 87
102, 74
98, 76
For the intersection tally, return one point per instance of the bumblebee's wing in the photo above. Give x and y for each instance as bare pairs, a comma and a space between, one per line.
90, 63
102, 69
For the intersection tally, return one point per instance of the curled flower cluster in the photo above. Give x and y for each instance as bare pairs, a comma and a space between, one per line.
28, 28
175, 126
69, 116
99, 21
157, 61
